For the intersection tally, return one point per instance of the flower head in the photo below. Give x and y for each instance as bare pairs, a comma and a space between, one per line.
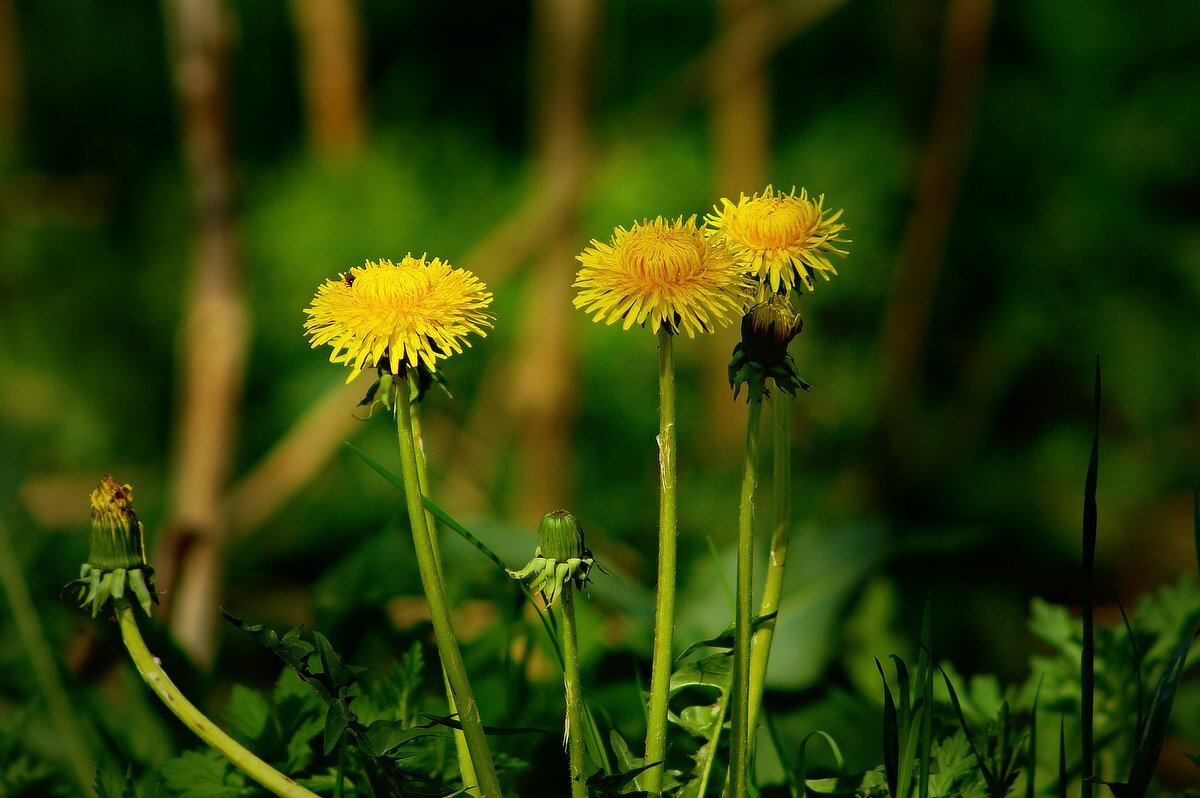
117, 556
667, 273
778, 237
392, 315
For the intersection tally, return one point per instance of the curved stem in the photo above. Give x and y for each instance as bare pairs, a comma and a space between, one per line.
740, 739
162, 686
573, 685
664, 615
760, 647
435, 595
466, 768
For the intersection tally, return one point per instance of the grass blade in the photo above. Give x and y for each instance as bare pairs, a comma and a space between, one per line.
801, 775
1149, 744
1087, 659
925, 674
988, 775
1137, 662
1062, 757
891, 736
1031, 752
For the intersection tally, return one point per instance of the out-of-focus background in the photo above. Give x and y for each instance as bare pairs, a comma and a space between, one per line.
1021, 181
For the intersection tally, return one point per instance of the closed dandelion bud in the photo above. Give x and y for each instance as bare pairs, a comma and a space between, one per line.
560, 537
768, 328
117, 557
560, 559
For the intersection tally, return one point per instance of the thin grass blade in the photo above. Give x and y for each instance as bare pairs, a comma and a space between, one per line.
1150, 743
1137, 662
1031, 753
1087, 659
925, 675
1062, 756
988, 775
891, 736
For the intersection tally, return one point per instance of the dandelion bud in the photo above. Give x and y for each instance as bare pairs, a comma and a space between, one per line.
768, 328
117, 556
560, 537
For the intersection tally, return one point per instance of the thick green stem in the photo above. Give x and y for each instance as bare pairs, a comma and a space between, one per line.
573, 684
739, 772
466, 768
162, 686
781, 535
45, 668
664, 614
435, 594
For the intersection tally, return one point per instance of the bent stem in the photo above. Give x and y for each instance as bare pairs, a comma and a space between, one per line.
739, 755
435, 595
760, 646
466, 768
162, 686
573, 685
664, 614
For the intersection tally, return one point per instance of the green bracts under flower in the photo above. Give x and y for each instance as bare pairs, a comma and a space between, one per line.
117, 559
559, 558
767, 329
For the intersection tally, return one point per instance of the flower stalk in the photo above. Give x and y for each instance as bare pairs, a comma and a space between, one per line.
573, 687
462, 751
760, 647
664, 615
431, 582
162, 686
740, 737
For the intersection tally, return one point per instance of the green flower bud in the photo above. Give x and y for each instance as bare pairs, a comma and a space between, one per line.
117, 557
560, 537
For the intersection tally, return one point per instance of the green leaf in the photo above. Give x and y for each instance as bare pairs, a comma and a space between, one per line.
290, 648
715, 670
1149, 745
108, 786
204, 774
248, 715
386, 736
891, 734
336, 721
988, 776
848, 785
339, 675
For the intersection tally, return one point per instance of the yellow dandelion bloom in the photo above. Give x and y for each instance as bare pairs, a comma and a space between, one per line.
393, 315
667, 273
778, 237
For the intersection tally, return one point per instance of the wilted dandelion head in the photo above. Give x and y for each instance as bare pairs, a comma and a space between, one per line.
664, 272
394, 315
779, 238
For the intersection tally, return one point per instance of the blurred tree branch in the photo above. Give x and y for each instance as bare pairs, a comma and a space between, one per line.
938, 184
213, 336
329, 33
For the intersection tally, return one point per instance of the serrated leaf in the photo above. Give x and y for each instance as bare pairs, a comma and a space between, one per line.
290, 648
248, 715
1149, 745
336, 721
204, 774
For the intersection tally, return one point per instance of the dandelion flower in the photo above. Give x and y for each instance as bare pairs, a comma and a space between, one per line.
780, 238
667, 273
394, 315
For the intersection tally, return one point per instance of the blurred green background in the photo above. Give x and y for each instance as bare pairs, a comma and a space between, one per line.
1021, 182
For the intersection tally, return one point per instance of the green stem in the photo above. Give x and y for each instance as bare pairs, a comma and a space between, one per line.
435, 595
664, 615
466, 768
760, 647
740, 739
162, 686
573, 684
41, 658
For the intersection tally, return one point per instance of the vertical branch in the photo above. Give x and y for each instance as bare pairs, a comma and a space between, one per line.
213, 335
329, 34
542, 396
741, 141
10, 78
939, 180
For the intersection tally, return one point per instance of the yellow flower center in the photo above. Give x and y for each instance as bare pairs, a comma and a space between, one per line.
662, 256
773, 224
